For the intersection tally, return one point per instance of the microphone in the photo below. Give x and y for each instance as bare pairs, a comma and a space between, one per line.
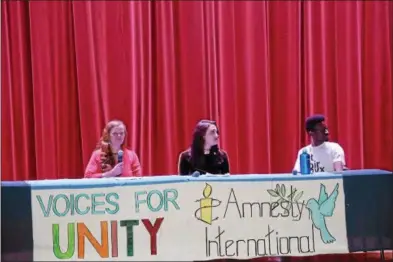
120, 156
203, 172
196, 174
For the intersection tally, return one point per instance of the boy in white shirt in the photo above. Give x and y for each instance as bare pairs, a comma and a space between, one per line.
325, 156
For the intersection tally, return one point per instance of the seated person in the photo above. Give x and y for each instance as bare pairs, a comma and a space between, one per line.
204, 154
104, 162
325, 156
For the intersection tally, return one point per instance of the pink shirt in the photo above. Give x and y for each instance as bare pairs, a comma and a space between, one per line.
131, 166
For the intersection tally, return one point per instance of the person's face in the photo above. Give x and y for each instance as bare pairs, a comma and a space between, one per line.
117, 135
321, 132
211, 137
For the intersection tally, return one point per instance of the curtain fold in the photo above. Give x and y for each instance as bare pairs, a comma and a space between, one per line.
258, 68
17, 105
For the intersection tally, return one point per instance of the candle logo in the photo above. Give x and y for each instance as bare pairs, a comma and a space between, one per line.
205, 211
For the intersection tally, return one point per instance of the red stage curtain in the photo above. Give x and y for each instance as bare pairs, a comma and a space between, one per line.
258, 68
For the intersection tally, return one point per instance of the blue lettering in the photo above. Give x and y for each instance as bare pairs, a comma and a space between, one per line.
67, 205
170, 198
160, 200
137, 201
78, 211
157, 200
45, 210
96, 203
72, 204
112, 203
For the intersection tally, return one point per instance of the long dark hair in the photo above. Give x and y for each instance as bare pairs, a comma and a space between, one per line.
197, 148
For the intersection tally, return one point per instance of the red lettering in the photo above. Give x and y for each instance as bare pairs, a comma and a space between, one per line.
153, 229
114, 238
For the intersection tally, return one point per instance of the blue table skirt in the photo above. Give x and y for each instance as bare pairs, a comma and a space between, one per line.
368, 199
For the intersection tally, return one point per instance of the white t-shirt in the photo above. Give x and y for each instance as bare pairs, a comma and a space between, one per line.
322, 157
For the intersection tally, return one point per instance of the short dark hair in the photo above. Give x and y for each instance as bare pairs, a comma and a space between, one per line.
312, 121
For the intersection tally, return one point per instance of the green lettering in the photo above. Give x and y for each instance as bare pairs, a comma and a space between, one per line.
129, 224
56, 241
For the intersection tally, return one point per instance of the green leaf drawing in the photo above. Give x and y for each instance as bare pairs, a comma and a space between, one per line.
298, 196
277, 188
283, 190
272, 193
280, 201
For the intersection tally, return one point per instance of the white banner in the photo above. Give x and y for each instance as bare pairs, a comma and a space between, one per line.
190, 221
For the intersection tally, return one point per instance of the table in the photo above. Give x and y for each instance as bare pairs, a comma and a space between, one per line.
144, 217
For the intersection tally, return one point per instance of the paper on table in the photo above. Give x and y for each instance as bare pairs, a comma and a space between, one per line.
208, 174
128, 177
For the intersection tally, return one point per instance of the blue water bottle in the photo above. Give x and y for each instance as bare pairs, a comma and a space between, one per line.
305, 163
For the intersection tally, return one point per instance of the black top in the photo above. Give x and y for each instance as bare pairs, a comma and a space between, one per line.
214, 163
